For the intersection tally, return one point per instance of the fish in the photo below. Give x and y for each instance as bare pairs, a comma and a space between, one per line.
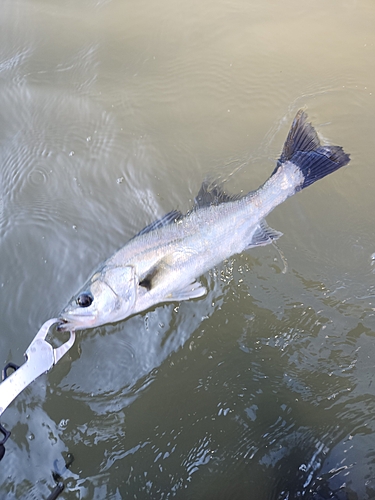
164, 261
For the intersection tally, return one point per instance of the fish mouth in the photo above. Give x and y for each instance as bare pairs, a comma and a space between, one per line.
63, 325
71, 321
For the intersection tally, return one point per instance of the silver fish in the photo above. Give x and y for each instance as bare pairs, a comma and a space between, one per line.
162, 262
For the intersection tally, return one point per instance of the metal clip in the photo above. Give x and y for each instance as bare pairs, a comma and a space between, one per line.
40, 357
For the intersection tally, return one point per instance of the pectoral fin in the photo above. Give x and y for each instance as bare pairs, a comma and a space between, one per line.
191, 291
162, 270
147, 281
156, 273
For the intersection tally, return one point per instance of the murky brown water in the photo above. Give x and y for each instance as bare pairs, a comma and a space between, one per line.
112, 113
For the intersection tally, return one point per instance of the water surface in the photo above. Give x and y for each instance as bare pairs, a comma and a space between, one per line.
112, 114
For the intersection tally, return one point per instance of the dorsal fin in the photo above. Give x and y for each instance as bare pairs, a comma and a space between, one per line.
169, 218
211, 194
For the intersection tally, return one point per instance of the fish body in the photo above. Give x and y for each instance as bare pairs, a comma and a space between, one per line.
163, 262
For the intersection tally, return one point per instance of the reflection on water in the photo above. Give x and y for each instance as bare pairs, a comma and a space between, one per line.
111, 115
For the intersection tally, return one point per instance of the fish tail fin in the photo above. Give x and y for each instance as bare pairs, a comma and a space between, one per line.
302, 148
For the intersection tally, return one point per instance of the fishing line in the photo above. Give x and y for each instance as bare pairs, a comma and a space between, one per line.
282, 257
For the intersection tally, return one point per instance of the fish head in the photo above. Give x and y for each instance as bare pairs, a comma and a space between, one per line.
109, 296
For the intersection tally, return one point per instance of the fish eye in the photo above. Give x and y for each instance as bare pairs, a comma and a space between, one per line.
85, 299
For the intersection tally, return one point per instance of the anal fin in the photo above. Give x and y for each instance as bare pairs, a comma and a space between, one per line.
263, 235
